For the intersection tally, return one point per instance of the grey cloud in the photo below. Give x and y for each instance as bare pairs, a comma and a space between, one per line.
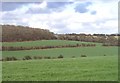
82, 7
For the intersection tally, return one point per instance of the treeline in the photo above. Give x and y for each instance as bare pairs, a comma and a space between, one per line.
99, 38
11, 33
11, 48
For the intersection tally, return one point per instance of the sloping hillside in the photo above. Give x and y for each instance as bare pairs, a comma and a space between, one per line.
21, 33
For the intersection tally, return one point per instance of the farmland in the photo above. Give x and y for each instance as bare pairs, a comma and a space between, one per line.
100, 63
59, 41
66, 52
80, 69
44, 43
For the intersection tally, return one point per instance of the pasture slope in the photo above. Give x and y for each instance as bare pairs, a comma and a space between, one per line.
94, 67
68, 69
45, 43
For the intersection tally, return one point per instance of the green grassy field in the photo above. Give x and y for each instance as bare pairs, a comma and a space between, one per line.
94, 67
66, 52
44, 43
72, 69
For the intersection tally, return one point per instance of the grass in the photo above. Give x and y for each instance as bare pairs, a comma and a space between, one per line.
99, 65
97, 68
66, 52
44, 43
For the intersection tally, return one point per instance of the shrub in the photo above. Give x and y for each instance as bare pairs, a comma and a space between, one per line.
10, 59
23, 59
37, 57
7, 59
104, 55
27, 58
83, 56
14, 58
77, 44
73, 56
47, 57
60, 56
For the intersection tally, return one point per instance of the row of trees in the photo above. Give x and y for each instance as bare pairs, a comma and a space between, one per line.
12, 33
20, 33
11, 48
105, 39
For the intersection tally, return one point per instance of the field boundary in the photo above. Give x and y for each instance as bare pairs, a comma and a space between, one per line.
12, 48
60, 82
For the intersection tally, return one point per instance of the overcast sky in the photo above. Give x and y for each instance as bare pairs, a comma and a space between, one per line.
84, 16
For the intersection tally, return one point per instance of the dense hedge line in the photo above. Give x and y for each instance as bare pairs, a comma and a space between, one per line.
11, 48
